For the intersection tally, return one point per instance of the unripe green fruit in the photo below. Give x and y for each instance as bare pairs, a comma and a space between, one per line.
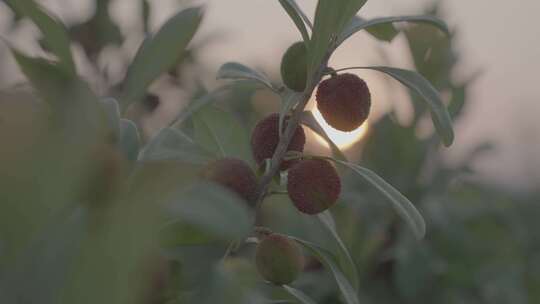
279, 259
313, 185
344, 101
233, 174
265, 139
294, 67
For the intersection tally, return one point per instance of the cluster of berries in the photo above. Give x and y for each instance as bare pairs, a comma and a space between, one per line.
313, 185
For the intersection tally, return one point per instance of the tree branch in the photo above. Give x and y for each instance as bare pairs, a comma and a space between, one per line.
286, 138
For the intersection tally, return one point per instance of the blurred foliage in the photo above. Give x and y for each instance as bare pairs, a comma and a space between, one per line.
83, 220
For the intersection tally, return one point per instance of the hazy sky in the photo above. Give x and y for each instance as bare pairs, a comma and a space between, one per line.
501, 38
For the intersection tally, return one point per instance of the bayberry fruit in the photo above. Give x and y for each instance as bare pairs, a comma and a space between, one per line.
279, 259
294, 67
313, 185
233, 174
265, 138
344, 101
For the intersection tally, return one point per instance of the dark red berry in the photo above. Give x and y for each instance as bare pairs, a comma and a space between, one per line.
344, 101
313, 185
233, 174
265, 139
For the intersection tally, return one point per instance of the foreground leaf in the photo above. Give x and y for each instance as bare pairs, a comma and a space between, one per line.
55, 35
220, 133
159, 53
213, 209
172, 144
402, 205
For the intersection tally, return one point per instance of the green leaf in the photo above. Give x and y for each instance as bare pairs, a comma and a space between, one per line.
159, 53
331, 17
289, 100
213, 209
357, 24
302, 297
345, 259
48, 78
309, 120
384, 31
329, 261
402, 205
172, 144
112, 109
130, 140
198, 104
417, 83
297, 16
219, 132
55, 35
238, 71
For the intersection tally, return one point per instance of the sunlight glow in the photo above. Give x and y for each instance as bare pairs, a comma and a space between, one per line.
341, 139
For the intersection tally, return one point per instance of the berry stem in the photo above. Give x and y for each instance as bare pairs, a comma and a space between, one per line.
287, 136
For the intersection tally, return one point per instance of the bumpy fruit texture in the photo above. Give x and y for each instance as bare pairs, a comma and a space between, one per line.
313, 186
279, 259
233, 174
265, 139
344, 101
294, 67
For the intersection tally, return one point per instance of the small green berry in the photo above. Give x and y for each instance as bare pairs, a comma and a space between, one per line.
279, 259
294, 67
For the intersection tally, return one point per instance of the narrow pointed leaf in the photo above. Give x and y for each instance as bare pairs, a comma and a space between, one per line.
357, 24
331, 17
329, 261
159, 53
293, 10
55, 35
345, 259
416, 82
402, 205
298, 294
238, 71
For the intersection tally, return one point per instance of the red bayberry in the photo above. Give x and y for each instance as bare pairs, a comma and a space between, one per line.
344, 101
265, 139
313, 185
233, 174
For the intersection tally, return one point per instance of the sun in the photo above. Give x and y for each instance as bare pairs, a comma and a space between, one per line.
342, 139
